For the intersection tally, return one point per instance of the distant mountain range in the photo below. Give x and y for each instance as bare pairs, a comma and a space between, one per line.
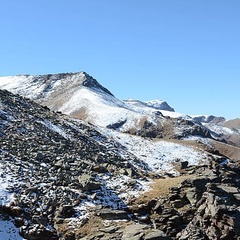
78, 163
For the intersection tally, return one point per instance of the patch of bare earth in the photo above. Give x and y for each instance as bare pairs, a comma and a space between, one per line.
92, 226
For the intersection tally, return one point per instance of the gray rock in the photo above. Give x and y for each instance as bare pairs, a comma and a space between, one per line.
192, 196
88, 182
110, 229
110, 214
39, 156
156, 234
134, 231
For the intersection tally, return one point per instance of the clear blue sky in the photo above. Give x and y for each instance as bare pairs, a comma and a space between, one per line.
186, 52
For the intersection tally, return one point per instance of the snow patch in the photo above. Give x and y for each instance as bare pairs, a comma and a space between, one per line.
8, 231
159, 155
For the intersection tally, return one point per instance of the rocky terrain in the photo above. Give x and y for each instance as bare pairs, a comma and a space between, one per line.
168, 176
47, 163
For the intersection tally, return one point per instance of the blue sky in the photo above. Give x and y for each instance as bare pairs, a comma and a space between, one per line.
182, 51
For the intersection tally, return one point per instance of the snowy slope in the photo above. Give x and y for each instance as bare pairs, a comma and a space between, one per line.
7, 229
79, 95
160, 156
150, 105
44, 86
72, 94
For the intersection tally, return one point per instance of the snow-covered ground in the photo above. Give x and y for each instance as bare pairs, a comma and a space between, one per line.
157, 154
35, 87
7, 229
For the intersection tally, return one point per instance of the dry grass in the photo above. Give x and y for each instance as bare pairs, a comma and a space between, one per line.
142, 121
234, 123
160, 188
227, 150
168, 129
80, 229
93, 225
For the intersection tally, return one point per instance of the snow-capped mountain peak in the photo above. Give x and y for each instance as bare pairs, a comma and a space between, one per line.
38, 86
80, 95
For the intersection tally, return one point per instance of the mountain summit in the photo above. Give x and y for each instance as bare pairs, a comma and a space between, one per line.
39, 86
80, 95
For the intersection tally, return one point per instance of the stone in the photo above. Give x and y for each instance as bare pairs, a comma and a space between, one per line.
178, 203
37, 231
184, 164
192, 197
3, 116
110, 229
229, 189
237, 196
109, 214
156, 234
66, 211
88, 182
39, 156
134, 232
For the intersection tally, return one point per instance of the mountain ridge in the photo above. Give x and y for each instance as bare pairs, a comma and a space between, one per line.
79, 95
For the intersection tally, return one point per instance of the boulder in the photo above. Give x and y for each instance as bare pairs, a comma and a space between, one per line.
156, 234
88, 182
110, 214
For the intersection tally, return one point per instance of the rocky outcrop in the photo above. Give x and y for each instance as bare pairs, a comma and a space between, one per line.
209, 119
171, 128
204, 206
